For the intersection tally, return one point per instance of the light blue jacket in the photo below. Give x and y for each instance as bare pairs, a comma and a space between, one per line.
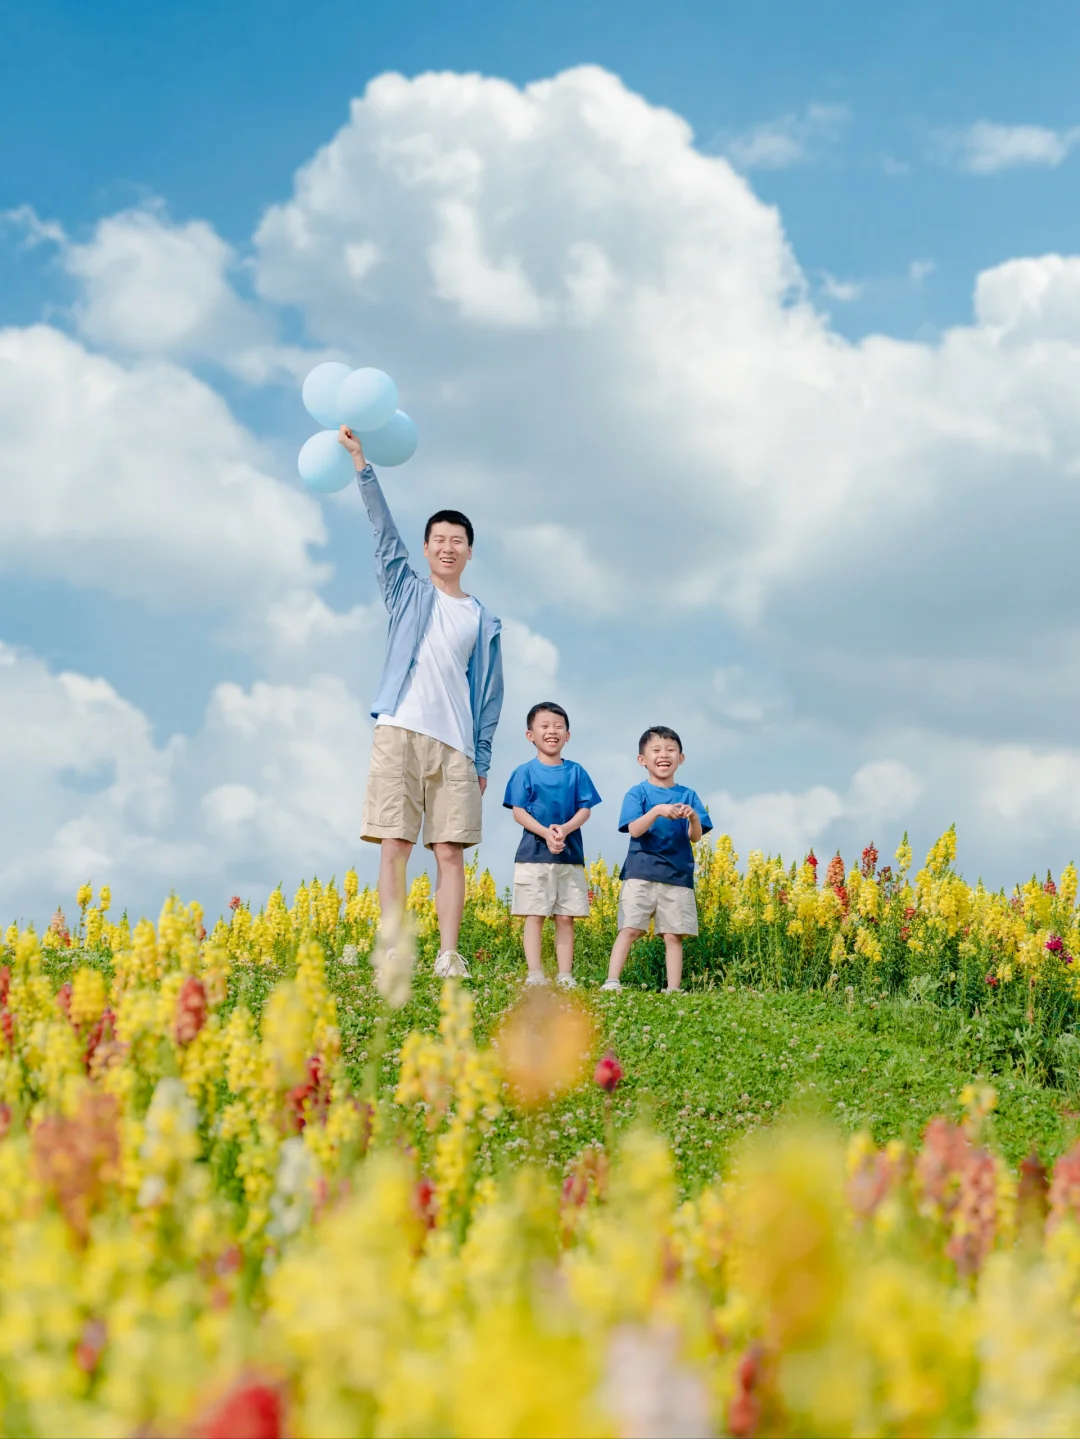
410, 599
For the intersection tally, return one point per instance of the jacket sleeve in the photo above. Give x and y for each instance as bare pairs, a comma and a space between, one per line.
490, 710
392, 568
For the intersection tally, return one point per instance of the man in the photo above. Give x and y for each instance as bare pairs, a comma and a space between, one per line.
435, 712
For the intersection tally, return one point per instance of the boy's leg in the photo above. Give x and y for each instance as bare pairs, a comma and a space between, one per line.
393, 859
673, 959
449, 893
564, 942
620, 949
533, 939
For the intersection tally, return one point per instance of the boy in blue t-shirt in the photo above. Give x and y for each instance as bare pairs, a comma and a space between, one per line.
663, 819
551, 799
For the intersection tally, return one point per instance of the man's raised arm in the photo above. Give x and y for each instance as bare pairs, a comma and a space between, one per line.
392, 568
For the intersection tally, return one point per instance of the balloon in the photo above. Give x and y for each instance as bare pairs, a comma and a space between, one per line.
325, 464
366, 400
393, 443
321, 391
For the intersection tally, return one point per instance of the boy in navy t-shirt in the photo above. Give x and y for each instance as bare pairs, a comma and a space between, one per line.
551, 799
663, 819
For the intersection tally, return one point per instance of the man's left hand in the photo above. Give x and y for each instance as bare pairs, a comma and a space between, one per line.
483, 783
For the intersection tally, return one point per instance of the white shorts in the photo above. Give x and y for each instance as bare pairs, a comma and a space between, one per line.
673, 905
551, 889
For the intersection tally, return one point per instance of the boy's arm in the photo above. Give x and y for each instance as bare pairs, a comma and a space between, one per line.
553, 841
695, 827
572, 824
637, 827
392, 566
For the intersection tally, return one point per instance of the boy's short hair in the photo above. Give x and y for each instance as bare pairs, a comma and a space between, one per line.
552, 708
449, 517
658, 731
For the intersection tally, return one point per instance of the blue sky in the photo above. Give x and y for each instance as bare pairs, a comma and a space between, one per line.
857, 610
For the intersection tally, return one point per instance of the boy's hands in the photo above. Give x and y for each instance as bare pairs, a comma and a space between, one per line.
555, 839
353, 445
670, 811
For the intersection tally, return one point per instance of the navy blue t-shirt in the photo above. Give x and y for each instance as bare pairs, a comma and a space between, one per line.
552, 794
663, 852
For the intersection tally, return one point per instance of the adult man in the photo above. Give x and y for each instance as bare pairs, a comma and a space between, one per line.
435, 712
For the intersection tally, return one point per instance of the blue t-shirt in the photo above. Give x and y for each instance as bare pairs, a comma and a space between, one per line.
552, 794
663, 852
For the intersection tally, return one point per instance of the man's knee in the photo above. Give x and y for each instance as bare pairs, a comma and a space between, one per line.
448, 854
396, 848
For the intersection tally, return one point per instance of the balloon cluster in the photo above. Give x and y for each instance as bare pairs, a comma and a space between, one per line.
366, 401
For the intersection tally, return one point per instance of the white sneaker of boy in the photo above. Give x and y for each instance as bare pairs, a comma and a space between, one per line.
611, 985
450, 965
566, 981
536, 979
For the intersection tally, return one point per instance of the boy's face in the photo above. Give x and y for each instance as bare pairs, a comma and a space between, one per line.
548, 733
447, 550
661, 757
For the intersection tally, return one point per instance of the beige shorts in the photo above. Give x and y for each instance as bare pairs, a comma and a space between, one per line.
551, 889
674, 907
413, 777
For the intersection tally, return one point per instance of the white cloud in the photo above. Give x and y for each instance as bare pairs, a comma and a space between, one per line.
843, 290
1022, 786
138, 480
790, 139
919, 270
984, 147
787, 823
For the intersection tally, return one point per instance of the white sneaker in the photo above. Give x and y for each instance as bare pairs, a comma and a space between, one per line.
450, 965
536, 979
611, 985
566, 981
669, 990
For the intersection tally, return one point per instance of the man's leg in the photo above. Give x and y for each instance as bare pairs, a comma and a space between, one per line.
393, 860
449, 893
673, 958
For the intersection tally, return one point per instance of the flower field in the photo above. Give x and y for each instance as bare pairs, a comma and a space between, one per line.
255, 1180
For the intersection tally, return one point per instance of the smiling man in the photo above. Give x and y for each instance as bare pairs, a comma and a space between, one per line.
435, 712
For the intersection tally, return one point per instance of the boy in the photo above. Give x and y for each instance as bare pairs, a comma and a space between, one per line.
551, 799
435, 713
663, 819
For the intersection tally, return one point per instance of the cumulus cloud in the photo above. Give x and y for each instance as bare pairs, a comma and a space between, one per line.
985, 148
787, 823
137, 479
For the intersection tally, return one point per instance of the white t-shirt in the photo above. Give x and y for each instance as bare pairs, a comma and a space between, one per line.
436, 700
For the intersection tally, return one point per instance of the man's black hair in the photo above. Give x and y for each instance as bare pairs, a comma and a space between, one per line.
658, 731
552, 708
449, 517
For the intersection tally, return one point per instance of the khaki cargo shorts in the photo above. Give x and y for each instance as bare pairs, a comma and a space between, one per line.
413, 777
551, 889
673, 905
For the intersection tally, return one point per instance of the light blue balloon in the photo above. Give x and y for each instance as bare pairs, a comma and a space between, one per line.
366, 400
392, 444
321, 392
325, 464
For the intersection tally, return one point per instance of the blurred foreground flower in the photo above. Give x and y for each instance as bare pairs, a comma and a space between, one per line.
545, 1042
608, 1073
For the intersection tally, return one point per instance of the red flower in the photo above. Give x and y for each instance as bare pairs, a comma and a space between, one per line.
424, 1199
252, 1411
190, 1013
993, 981
235, 902
608, 1073
5, 982
744, 1411
312, 1090
88, 1350
5, 1120
7, 1024
1054, 944
63, 998
869, 861
1049, 887
811, 860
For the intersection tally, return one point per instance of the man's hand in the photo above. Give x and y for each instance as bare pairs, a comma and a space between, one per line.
482, 781
555, 842
353, 445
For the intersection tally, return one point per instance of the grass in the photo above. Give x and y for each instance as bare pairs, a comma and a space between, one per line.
717, 1061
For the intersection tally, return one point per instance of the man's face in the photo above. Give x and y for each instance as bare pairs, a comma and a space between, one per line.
661, 757
447, 550
548, 733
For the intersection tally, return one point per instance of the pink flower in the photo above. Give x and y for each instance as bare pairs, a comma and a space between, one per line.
251, 1411
608, 1073
190, 1014
1054, 944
